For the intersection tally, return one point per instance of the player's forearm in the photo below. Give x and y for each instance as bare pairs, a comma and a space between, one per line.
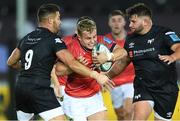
118, 67
118, 53
67, 58
14, 59
176, 54
80, 69
85, 71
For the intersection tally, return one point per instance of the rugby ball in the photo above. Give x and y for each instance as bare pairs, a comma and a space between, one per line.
102, 48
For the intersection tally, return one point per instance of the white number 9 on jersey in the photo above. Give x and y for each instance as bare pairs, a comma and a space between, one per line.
28, 59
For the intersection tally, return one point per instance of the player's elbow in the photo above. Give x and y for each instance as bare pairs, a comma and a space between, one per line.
9, 63
14, 58
14, 66
63, 72
62, 69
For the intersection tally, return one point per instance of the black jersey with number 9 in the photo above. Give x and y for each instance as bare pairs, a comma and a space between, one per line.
38, 54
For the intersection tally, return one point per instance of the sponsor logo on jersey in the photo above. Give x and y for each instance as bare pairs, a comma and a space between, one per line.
131, 45
142, 52
32, 40
58, 40
150, 41
109, 41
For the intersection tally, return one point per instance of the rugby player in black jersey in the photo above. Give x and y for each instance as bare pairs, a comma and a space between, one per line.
153, 50
35, 55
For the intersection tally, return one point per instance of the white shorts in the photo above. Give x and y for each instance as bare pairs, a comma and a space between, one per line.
80, 108
62, 90
46, 115
60, 100
120, 93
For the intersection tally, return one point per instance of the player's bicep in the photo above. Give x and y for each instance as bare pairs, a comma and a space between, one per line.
14, 57
119, 52
65, 56
176, 46
116, 47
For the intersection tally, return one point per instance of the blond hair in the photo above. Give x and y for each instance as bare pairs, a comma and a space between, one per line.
85, 25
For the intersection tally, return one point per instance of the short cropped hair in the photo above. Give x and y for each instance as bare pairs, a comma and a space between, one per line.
45, 10
139, 9
85, 25
83, 18
115, 13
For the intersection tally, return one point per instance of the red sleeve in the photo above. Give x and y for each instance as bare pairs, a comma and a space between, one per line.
68, 39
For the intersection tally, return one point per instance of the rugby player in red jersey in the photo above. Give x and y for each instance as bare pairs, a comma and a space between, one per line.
83, 100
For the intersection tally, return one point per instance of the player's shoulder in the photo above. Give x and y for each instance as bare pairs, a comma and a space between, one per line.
170, 34
166, 32
43, 32
47, 35
160, 29
131, 36
52, 38
72, 44
27, 36
69, 39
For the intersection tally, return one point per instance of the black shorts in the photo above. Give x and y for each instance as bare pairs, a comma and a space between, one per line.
31, 98
164, 103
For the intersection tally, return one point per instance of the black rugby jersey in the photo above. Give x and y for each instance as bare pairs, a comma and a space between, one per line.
38, 54
144, 49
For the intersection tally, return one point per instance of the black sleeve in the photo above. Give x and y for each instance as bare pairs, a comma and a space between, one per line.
58, 44
170, 38
19, 43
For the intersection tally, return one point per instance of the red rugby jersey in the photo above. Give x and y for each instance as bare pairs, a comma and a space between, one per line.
78, 85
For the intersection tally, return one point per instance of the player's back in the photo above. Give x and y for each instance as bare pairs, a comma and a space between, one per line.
37, 54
